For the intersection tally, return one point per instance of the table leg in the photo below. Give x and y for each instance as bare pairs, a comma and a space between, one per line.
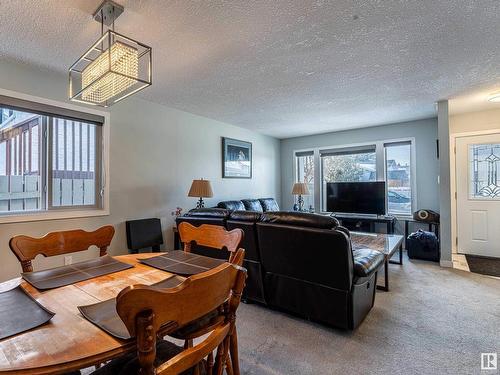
406, 234
385, 287
400, 256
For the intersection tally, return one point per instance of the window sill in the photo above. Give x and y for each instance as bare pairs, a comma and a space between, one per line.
52, 215
401, 216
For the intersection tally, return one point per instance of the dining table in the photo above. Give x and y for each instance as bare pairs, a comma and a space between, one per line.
69, 341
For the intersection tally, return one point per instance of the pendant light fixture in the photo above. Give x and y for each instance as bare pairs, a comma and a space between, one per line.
114, 68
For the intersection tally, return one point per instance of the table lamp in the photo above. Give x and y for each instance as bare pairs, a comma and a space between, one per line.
202, 189
300, 189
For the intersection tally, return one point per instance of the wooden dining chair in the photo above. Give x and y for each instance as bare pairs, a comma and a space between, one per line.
57, 243
217, 237
213, 236
147, 312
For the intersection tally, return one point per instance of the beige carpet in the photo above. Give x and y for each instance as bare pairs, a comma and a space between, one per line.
433, 321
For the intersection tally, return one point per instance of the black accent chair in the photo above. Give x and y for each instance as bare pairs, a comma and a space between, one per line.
301, 263
142, 234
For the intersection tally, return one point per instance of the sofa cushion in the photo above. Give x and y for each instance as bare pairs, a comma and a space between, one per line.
269, 204
252, 205
302, 219
366, 261
232, 205
251, 216
208, 212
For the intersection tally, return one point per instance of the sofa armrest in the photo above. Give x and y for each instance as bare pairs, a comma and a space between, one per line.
367, 261
345, 230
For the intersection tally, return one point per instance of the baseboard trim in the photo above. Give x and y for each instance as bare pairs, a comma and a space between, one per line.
446, 263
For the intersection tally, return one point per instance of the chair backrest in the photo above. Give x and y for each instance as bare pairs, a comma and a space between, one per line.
194, 355
144, 233
212, 236
145, 309
56, 243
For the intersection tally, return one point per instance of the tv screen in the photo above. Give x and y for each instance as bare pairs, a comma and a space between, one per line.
356, 197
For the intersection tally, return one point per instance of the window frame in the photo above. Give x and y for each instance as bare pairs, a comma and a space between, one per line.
101, 208
381, 173
312, 153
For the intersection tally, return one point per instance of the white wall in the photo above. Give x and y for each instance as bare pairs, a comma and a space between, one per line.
155, 153
424, 132
475, 121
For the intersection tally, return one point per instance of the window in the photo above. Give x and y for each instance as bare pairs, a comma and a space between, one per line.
50, 158
74, 165
389, 161
305, 173
347, 165
398, 177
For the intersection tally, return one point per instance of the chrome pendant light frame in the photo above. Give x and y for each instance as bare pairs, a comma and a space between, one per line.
113, 68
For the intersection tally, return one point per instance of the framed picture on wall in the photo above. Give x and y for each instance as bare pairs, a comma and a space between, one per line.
236, 158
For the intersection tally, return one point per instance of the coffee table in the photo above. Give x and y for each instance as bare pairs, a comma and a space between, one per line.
387, 244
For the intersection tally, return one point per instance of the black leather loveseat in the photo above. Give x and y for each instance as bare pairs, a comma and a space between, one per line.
301, 263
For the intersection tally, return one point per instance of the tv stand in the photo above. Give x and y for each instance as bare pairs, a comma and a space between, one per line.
365, 223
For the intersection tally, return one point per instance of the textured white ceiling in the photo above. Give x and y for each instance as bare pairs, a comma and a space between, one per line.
285, 68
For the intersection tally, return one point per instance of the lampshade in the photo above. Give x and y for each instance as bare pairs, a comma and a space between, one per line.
201, 188
300, 188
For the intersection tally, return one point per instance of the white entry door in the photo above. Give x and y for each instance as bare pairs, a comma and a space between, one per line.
478, 194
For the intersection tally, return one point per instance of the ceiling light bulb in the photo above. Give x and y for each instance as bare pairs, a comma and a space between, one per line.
495, 98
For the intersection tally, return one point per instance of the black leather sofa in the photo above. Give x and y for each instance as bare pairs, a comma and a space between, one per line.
301, 263
256, 205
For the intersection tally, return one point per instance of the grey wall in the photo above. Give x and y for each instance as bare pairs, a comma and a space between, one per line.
155, 153
424, 132
444, 186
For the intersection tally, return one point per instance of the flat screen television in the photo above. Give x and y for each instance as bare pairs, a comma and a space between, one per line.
356, 197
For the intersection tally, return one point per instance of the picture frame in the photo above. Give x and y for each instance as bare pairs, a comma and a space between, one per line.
236, 158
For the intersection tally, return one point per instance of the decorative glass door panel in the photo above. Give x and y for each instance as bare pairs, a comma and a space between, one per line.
484, 176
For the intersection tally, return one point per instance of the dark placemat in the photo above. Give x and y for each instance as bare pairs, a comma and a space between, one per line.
73, 273
182, 263
20, 312
103, 314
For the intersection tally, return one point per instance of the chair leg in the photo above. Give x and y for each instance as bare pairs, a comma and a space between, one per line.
210, 363
219, 364
233, 349
226, 360
229, 366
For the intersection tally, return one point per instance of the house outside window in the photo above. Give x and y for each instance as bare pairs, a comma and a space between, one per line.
398, 177
51, 159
